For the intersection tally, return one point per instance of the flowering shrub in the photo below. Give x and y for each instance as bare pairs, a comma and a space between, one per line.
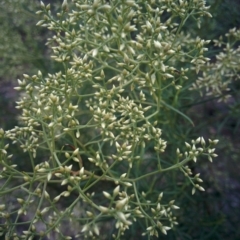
100, 122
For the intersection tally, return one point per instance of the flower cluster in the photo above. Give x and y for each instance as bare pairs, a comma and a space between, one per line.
218, 75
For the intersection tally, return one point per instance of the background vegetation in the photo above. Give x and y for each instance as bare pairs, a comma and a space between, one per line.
209, 215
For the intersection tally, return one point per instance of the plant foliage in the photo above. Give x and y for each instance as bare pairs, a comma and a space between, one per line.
107, 140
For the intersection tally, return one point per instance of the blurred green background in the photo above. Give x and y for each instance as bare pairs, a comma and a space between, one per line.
214, 214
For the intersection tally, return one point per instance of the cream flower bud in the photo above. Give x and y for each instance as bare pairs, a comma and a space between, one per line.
116, 191
76, 151
106, 195
103, 209
42, 4
121, 203
64, 5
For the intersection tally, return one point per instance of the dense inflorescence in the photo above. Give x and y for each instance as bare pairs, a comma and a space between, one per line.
119, 60
217, 76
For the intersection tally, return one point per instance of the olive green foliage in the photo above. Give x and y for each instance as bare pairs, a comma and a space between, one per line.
22, 43
111, 148
19, 38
